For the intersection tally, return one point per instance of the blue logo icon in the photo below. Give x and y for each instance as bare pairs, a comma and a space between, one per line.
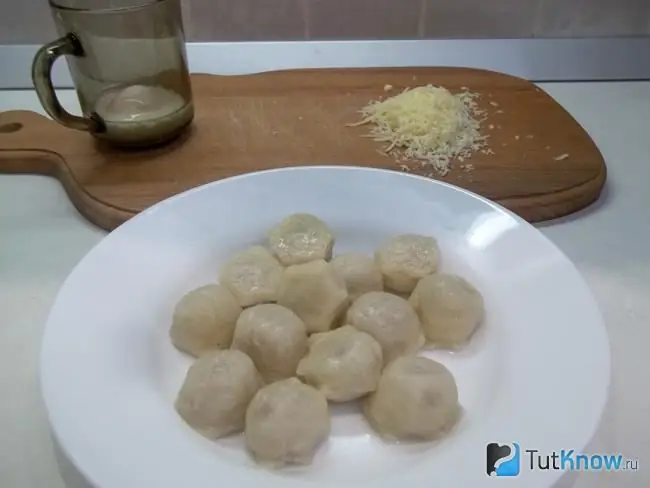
502, 459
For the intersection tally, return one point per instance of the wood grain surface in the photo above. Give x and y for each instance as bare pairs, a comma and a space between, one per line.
298, 117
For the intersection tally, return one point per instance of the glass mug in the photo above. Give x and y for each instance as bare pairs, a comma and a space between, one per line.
129, 66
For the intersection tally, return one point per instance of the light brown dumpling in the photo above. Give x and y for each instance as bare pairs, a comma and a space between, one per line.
274, 338
450, 309
216, 392
204, 319
416, 399
286, 422
390, 320
315, 293
404, 259
253, 276
343, 364
301, 238
360, 272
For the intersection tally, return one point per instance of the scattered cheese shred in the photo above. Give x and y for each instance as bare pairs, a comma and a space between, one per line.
561, 157
427, 123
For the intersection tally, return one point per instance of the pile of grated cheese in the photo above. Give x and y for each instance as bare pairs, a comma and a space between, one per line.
429, 124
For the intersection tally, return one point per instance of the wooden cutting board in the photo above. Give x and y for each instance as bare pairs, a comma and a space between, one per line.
544, 164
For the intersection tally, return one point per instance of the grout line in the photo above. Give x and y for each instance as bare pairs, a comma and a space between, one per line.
423, 11
537, 19
305, 18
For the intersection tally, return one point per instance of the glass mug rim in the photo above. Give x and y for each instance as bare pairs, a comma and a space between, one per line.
143, 4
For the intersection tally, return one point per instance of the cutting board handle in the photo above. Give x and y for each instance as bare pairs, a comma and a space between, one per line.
29, 143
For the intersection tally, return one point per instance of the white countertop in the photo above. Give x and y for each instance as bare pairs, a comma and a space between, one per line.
42, 238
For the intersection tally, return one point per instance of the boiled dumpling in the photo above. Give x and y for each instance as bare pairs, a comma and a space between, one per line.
416, 399
405, 259
390, 320
216, 392
204, 319
286, 422
301, 238
344, 364
253, 276
449, 307
360, 272
315, 293
273, 337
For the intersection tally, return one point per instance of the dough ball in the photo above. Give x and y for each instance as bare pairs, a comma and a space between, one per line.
416, 399
253, 276
217, 390
273, 337
405, 259
315, 293
204, 319
449, 307
301, 238
286, 422
343, 364
390, 320
360, 272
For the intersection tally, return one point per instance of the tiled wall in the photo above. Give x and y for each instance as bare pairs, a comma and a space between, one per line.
29, 21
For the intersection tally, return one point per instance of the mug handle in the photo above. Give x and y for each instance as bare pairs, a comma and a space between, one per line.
42, 79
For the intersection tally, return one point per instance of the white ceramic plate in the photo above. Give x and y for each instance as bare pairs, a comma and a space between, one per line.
536, 374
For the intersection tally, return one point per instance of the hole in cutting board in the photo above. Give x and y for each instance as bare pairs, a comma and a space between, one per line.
9, 128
